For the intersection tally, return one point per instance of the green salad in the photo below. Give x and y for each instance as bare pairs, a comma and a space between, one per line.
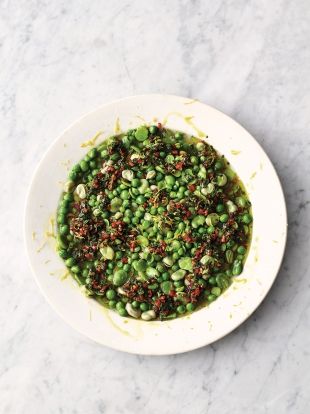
154, 223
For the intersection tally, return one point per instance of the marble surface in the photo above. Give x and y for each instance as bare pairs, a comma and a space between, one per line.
61, 59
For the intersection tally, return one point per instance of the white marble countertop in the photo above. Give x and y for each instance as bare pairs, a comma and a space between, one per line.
60, 59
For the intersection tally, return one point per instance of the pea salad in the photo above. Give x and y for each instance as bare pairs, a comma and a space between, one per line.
153, 223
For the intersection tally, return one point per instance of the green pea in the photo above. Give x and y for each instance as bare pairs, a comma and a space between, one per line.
63, 253
218, 165
135, 182
185, 263
210, 229
180, 251
110, 294
64, 230
198, 221
145, 224
126, 203
120, 277
202, 282
211, 298
181, 309
159, 176
200, 146
122, 312
92, 153
224, 218
135, 304
153, 129
190, 307
152, 272
237, 268
75, 269
84, 166
85, 273
61, 218
176, 245
202, 230
241, 250
103, 153
112, 304
114, 157
128, 213
73, 175
68, 197
246, 219
70, 262
194, 160
170, 180
212, 280
153, 286
144, 306
178, 275
202, 173
139, 214
166, 287
140, 199
76, 168
216, 291
229, 256
120, 305
140, 265
212, 219
169, 159
64, 205
141, 134
220, 208
135, 220
241, 201
165, 276
124, 195
221, 180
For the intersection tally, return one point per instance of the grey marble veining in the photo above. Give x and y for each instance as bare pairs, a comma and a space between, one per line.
61, 59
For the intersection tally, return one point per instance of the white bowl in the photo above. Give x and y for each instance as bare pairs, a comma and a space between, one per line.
211, 322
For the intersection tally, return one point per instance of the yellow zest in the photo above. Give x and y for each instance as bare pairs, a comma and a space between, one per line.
91, 142
41, 247
141, 119
117, 126
65, 275
187, 120
191, 101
